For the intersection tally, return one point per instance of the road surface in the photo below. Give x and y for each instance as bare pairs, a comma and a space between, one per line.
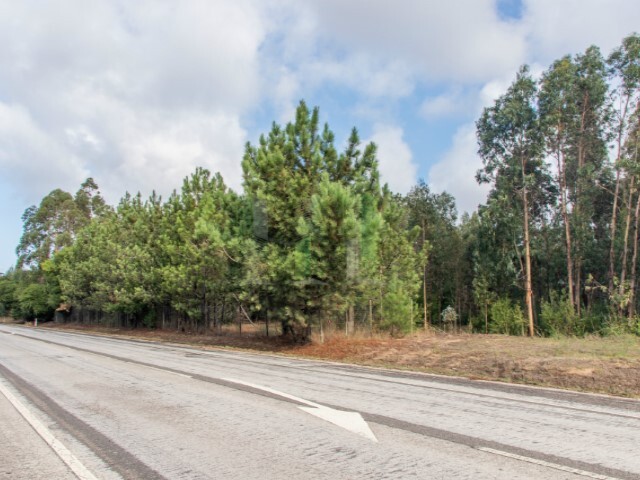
83, 406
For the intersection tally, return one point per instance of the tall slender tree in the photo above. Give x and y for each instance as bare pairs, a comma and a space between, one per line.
624, 65
511, 146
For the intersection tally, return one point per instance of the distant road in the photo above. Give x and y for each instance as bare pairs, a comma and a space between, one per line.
111, 408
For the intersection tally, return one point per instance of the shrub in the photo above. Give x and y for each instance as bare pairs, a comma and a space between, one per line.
558, 317
506, 318
33, 301
449, 318
618, 325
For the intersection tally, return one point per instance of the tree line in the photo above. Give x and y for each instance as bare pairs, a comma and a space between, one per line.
315, 239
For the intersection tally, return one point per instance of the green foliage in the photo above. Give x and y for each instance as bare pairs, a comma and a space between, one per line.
617, 325
558, 316
449, 316
7, 294
54, 224
33, 301
506, 318
440, 243
330, 237
397, 308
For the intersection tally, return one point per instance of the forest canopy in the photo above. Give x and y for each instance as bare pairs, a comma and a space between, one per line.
316, 241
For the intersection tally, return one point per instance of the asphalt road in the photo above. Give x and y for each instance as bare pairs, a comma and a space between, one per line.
81, 406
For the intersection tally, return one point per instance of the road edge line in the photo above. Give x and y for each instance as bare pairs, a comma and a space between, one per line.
69, 459
544, 463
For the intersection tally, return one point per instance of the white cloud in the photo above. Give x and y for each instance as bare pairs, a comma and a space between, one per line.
135, 94
568, 27
162, 152
444, 105
363, 75
461, 41
455, 102
395, 158
32, 162
383, 53
455, 172
285, 94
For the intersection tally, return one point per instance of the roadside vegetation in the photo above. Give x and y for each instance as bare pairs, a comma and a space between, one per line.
316, 244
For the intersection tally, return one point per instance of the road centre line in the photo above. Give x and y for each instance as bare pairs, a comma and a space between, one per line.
163, 370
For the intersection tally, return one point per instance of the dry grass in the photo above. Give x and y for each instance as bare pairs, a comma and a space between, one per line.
602, 365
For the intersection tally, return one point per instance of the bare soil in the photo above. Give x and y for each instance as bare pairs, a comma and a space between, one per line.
601, 365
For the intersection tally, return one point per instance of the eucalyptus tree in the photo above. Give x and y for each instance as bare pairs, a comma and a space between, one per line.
632, 164
511, 147
558, 112
572, 104
624, 65
47, 228
53, 225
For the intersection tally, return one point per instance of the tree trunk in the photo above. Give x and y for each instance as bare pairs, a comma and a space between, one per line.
578, 220
614, 212
567, 227
267, 324
351, 320
623, 267
527, 252
578, 285
424, 284
634, 260
486, 317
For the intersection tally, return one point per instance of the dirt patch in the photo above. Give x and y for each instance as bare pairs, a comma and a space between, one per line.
601, 365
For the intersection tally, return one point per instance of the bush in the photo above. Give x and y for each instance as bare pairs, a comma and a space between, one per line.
506, 318
33, 302
476, 323
619, 325
558, 317
592, 322
449, 318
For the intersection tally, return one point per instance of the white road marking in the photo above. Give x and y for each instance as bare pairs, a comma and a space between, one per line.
163, 370
65, 455
351, 421
576, 471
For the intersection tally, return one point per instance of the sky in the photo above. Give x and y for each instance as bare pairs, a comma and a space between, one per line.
139, 94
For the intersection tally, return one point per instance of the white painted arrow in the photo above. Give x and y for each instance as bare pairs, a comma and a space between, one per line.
351, 421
